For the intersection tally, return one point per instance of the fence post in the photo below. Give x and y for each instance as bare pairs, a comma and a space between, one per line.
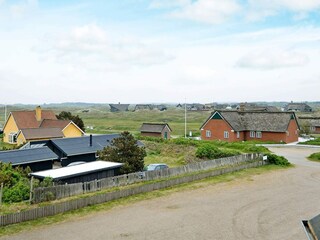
31, 189
1, 192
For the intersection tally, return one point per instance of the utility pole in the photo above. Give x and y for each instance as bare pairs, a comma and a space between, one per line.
5, 113
185, 118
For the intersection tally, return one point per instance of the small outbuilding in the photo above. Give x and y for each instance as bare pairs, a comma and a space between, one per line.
161, 130
37, 159
85, 172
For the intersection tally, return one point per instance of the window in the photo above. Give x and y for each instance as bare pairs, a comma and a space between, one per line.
12, 137
252, 134
312, 128
238, 134
259, 134
208, 133
226, 134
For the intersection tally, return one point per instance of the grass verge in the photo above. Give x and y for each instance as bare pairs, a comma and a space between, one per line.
315, 157
73, 215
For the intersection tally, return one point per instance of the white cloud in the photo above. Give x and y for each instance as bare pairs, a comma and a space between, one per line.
260, 9
93, 47
20, 9
271, 59
169, 3
207, 11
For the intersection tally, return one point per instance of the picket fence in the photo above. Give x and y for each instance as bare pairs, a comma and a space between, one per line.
69, 205
68, 190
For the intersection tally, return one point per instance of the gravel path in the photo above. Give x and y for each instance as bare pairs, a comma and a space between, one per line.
267, 206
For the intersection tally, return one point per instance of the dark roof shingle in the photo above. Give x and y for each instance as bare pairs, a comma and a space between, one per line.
154, 127
18, 157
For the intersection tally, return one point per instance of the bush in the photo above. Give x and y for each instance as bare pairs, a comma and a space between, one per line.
209, 151
278, 160
17, 193
315, 156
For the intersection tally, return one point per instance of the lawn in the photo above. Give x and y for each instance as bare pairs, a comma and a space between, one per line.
314, 157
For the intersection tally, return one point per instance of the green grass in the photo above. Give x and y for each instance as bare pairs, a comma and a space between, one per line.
104, 121
314, 157
5, 146
315, 141
246, 174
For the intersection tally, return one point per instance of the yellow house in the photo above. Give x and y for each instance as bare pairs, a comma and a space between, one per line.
24, 126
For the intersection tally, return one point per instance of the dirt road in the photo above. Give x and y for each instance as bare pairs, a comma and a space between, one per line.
268, 206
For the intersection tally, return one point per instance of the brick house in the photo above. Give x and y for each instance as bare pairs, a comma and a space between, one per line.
161, 130
312, 122
233, 126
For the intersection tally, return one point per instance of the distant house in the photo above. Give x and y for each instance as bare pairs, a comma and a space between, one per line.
161, 130
24, 126
119, 107
234, 126
160, 107
312, 122
193, 107
255, 107
298, 107
142, 107
37, 159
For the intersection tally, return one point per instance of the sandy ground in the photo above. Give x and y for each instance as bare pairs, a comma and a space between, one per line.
267, 206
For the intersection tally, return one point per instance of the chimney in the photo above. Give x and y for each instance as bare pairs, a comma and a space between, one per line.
90, 143
241, 108
38, 113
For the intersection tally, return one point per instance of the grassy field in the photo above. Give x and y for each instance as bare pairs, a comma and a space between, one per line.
108, 122
103, 121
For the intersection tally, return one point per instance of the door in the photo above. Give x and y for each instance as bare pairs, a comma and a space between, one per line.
165, 135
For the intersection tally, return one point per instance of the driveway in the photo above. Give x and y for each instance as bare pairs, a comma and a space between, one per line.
268, 206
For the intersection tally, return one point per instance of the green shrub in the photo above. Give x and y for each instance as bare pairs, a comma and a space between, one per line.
17, 193
315, 156
277, 160
209, 151
315, 141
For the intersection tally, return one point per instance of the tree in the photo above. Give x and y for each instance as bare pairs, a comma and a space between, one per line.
68, 116
125, 150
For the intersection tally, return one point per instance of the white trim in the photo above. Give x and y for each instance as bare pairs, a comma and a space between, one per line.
74, 125
252, 134
226, 134
211, 116
208, 133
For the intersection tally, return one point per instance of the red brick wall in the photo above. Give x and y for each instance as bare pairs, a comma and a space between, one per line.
151, 134
217, 128
293, 133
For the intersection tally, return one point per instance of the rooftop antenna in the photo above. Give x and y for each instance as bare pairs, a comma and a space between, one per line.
5, 113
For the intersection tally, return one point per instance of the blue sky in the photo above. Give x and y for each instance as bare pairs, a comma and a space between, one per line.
140, 51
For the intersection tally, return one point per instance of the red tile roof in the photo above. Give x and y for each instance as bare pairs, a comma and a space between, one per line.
51, 123
41, 133
27, 119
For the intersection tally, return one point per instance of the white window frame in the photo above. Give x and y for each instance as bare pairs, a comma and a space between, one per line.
258, 134
252, 134
226, 134
208, 133
238, 134
12, 137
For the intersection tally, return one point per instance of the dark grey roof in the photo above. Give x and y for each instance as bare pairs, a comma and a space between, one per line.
313, 121
143, 106
256, 107
154, 127
257, 121
19, 157
81, 145
302, 107
120, 107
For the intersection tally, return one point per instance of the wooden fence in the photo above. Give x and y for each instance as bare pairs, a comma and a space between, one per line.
68, 190
56, 208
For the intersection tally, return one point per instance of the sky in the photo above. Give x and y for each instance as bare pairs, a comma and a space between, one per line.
159, 51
